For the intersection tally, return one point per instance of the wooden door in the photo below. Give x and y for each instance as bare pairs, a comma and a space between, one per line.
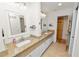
59, 28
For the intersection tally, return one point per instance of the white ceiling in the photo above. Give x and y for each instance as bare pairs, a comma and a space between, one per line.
47, 7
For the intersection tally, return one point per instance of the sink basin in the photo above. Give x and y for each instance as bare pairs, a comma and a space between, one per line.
25, 42
46, 33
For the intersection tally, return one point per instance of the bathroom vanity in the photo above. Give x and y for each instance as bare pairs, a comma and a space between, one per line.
16, 22
35, 48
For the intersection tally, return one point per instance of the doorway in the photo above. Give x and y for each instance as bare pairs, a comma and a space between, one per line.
22, 24
62, 29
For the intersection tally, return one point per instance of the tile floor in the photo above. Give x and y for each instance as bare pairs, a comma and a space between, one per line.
56, 50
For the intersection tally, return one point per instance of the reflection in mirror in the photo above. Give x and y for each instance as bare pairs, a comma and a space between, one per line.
17, 25
2, 33
22, 25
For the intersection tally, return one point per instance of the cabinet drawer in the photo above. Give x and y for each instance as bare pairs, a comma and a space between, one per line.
37, 52
40, 49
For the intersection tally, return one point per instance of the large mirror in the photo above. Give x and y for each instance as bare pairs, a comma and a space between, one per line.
17, 24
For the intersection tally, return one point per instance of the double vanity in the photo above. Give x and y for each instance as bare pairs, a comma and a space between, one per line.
20, 31
30, 47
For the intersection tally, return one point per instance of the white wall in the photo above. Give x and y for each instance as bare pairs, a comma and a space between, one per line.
52, 18
33, 17
73, 29
74, 20
75, 41
2, 46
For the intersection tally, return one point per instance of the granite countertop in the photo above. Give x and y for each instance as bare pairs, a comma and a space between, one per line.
13, 50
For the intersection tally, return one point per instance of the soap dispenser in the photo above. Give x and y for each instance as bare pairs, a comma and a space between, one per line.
14, 42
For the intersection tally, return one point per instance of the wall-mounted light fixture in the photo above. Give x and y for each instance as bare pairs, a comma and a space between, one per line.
50, 25
21, 5
33, 27
43, 15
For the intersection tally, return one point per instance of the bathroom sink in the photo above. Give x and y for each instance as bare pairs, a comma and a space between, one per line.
25, 42
46, 33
